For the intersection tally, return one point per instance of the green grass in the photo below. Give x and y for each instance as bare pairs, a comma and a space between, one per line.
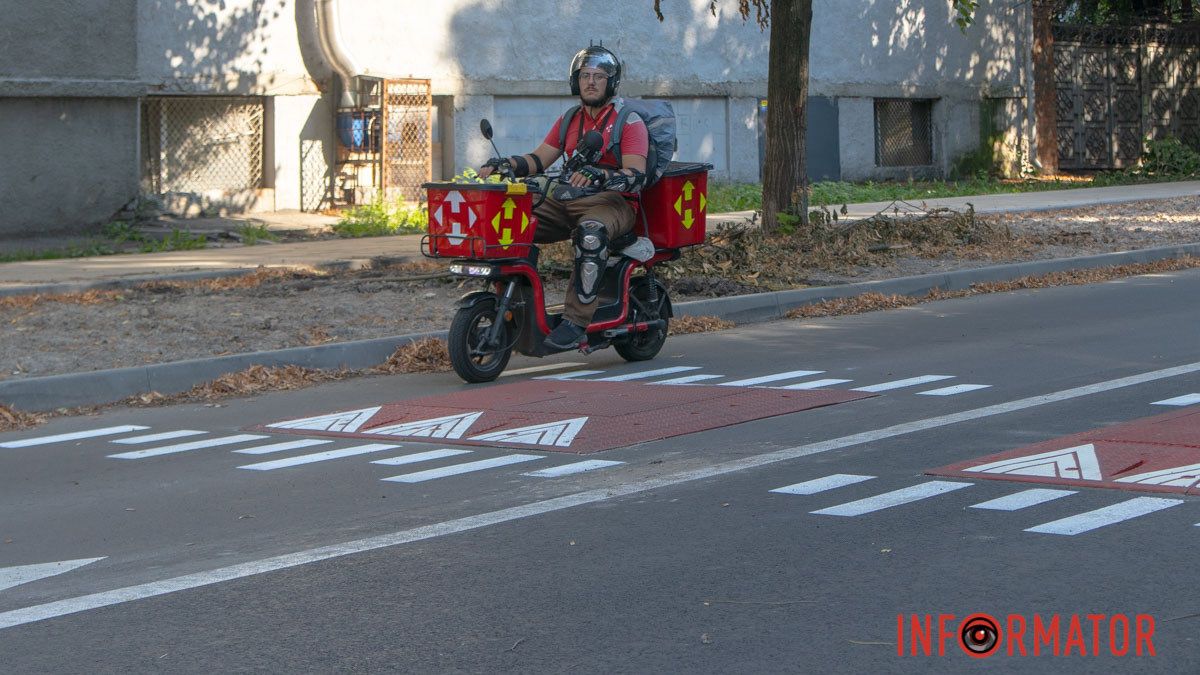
116, 237
251, 234
725, 197
379, 219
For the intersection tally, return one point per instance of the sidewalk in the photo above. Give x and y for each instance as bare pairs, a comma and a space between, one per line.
80, 273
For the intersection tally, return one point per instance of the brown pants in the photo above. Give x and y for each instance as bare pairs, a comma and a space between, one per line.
557, 220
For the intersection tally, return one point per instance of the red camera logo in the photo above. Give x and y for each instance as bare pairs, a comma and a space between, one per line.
982, 635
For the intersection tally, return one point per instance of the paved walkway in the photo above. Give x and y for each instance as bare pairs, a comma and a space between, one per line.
37, 275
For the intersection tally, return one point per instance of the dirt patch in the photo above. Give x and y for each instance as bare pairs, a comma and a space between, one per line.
275, 309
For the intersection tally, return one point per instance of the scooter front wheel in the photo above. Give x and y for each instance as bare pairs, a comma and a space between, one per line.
473, 358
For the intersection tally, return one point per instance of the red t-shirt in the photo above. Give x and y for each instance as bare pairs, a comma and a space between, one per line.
635, 140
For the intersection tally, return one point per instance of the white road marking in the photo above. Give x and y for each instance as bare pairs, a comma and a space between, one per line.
791, 375
184, 447
540, 369
1077, 463
49, 610
152, 438
688, 379
280, 447
345, 422
815, 384
956, 389
907, 382
73, 436
1179, 476
318, 457
450, 426
421, 457
887, 500
1085, 522
1022, 499
15, 576
645, 374
812, 487
466, 467
1186, 399
571, 469
571, 375
558, 434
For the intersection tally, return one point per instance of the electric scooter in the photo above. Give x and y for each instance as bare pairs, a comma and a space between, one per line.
487, 229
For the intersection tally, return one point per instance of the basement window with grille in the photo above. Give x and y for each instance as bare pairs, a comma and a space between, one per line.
903, 132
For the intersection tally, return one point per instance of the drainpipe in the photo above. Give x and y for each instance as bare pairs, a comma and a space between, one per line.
332, 47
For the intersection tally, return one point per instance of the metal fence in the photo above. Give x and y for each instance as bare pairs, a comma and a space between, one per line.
207, 146
903, 132
408, 138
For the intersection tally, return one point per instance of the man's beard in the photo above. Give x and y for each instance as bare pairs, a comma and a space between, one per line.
595, 100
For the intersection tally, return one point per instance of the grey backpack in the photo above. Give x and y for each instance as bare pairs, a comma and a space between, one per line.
659, 118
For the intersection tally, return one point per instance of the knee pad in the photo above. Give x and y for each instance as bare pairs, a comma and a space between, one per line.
591, 253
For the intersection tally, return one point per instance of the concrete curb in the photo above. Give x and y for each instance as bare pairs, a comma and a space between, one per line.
107, 386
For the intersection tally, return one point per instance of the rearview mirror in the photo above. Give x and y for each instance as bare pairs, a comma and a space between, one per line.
486, 127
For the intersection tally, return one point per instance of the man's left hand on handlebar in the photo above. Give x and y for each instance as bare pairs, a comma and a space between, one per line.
590, 176
492, 166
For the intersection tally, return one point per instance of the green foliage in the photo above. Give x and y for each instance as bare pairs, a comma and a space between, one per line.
470, 175
178, 240
1170, 157
252, 233
964, 12
378, 219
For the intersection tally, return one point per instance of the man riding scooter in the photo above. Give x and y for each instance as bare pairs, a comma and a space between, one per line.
594, 220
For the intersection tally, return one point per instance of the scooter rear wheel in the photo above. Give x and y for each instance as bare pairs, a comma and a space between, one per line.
645, 345
473, 361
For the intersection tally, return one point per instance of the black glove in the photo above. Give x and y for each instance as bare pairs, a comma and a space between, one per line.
595, 174
498, 164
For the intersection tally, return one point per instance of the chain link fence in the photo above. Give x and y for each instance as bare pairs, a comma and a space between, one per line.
903, 132
206, 149
408, 138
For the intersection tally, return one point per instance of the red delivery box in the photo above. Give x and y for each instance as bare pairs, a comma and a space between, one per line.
677, 204
479, 220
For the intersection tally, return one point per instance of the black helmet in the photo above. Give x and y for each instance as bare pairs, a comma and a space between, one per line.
597, 57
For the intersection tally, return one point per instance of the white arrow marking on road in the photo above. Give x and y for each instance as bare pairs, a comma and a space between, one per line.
1077, 463
450, 426
346, 422
43, 440
553, 433
1180, 476
15, 576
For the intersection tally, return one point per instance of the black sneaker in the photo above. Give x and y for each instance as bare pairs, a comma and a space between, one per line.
565, 335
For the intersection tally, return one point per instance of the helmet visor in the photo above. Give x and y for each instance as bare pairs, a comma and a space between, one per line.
594, 59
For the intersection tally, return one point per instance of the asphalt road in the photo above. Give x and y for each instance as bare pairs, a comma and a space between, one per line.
678, 558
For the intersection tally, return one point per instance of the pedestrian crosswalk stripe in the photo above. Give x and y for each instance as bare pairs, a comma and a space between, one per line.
956, 389
319, 457
570, 375
152, 438
540, 369
570, 469
450, 426
184, 447
23, 574
907, 382
812, 487
894, 498
688, 379
346, 422
646, 374
421, 457
1022, 499
558, 434
790, 375
457, 469
1109, 515
280, 447
815, 384
73, 436
1186, 399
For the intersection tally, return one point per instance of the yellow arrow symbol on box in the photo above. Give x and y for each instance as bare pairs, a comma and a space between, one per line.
524, 222
509, 205
496, 222
679, 205
687, 190
688, 219
506, 237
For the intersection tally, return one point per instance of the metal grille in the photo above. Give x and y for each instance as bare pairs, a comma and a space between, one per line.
903, 132
408, 138
202, 145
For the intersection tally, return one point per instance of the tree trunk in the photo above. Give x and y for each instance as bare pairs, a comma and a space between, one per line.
1045, 92
785, 176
